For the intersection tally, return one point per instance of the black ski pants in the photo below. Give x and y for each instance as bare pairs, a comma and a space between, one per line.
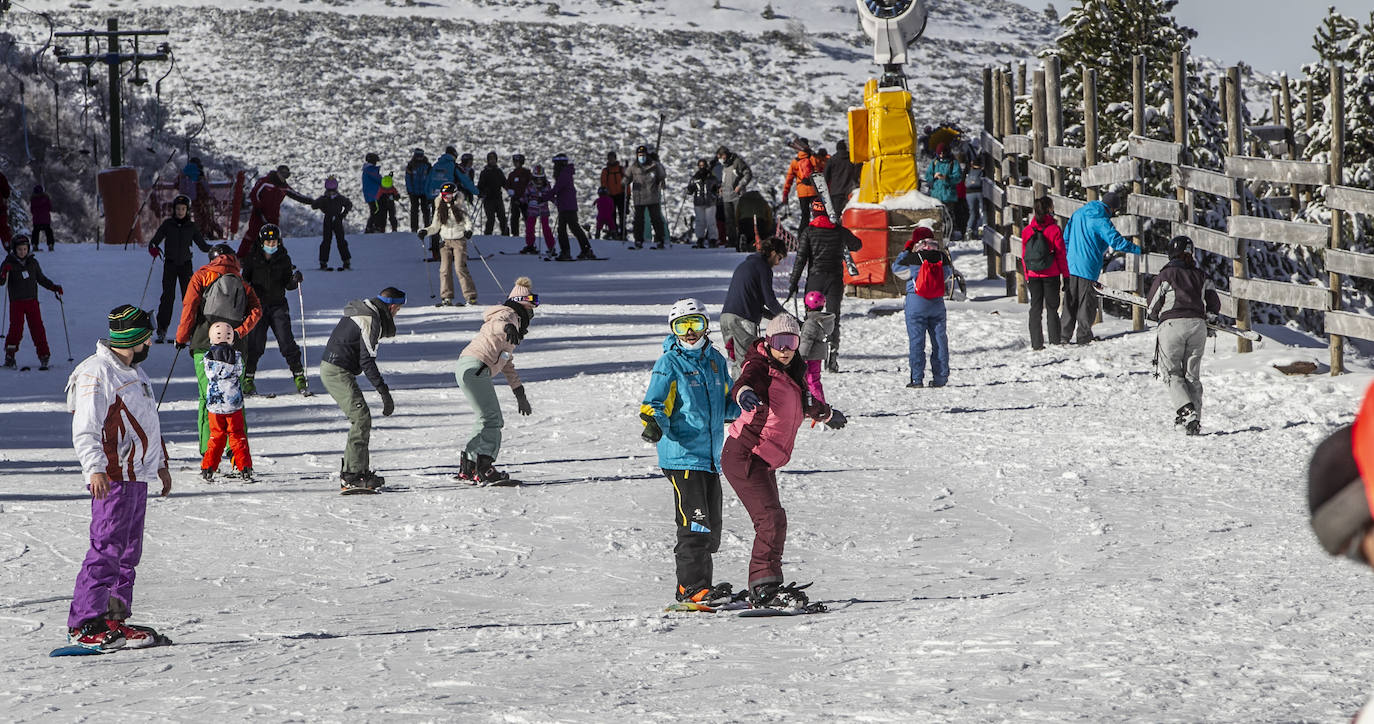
698, 514
333, 228
172, 274
495, 207
568, 220
619, 200
655, 214
387, 206
38, 231
421, 207
277, 317
833, 289
730, 217
1044, 306
1080, 311
376, 220
518, 210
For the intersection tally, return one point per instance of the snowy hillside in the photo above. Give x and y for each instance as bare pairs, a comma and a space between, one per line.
1033, 543
318, 85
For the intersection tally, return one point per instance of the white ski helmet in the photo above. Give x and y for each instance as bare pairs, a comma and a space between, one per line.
686, 307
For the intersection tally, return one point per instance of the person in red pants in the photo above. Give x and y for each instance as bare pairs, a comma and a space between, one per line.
773, 399
224, 404
21, 271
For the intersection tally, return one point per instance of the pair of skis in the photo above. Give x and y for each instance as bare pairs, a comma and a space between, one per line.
1135, 299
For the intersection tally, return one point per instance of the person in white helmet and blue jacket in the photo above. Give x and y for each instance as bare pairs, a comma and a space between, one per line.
685, 411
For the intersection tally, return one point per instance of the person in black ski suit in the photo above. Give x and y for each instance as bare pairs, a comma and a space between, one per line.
335, 206
704, 189
179, 232
268, 269
491, 184
842, 176
821, 248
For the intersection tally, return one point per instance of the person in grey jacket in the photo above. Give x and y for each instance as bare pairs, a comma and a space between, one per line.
735, 178
646, 178
1182, 300
352, 351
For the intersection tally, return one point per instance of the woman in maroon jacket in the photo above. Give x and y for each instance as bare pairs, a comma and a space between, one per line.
1044, 284
773, 397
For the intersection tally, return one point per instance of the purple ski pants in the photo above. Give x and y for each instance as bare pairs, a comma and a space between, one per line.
756, 485
105, 586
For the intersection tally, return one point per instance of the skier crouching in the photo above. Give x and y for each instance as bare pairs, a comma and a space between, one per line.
684, 411
772, 395
116, 461
492, 351
1182, 299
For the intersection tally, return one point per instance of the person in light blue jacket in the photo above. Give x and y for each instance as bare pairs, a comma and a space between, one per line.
1087, 236
943, 176
685, 411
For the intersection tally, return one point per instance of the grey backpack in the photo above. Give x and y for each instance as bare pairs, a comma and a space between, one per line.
225, 299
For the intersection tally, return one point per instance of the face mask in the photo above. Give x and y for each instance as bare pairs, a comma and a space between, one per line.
270, 250
701, 342
643, 159
139, 356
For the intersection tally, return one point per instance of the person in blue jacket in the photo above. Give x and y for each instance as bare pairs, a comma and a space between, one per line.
943, 176
685, 411
926, 269
1087, 236
372, 186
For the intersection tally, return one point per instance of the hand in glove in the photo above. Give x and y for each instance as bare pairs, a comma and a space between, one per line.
58, 291
388, 406
181, 345
837, 420
652, 432
512, 334
467, 235
154, 251
420, 234
748, 400
522, 403
297, 277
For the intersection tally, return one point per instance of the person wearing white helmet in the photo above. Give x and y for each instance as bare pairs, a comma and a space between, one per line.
685, 411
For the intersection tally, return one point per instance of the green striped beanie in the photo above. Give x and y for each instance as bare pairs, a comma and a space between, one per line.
129, 326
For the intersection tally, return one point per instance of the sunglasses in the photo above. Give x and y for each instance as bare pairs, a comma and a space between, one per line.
690, 323
784, 342
530, 299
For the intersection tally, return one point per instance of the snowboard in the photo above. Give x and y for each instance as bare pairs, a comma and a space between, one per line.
74, 650
770, 612
688, 606
359, 491
1139, 301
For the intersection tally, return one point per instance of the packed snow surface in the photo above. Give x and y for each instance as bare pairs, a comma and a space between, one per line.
1034, 542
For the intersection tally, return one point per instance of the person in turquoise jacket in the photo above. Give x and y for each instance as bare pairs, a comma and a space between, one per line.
1088, 235
685, 411
943, 176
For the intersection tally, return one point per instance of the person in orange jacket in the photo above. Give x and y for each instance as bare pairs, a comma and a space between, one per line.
213, 296
802, 168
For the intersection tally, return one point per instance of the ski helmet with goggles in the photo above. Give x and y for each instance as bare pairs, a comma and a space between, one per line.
688, 315
181, 200
269, 232
219, 250
448, 189
1180, 246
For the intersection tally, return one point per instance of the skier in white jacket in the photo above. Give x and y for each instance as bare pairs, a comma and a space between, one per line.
118, 440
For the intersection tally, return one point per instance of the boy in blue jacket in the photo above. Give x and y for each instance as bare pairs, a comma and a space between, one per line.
1087, 236
685, 411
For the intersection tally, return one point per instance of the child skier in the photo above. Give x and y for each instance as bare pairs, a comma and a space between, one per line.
492, 351
116, 461
815, 341
925, 268
23, 274
537, 195
1182, 335
773, 400
224, 403
335, 206
684, 412
452, 223
387, 199
605, 214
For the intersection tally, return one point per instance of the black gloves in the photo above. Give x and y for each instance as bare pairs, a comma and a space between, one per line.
388, 406
512, 334
297, 277
522, 403
837, 420
181, 345
467, 235
748, 400
652, 432
420, 234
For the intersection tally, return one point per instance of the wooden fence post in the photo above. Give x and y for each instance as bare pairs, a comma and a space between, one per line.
989, 114
1240, 267
1138, 128
1014, 166
1090, 125
999, 177
1181, 127
1021, 78
1054, 114
1286, 105
1337, 216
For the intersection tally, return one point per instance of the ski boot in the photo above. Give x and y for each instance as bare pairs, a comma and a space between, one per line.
371, 480
96, 636
1183, 414
135, 637
43, 362
467, 468
250, 387
346, 266
302, 385
776, 595
352, 481
1193, 428
246, 475
529, 250
207, 474
161, 337
487, 474
324, 266
719, 594
832, 363
586, 254
9, 361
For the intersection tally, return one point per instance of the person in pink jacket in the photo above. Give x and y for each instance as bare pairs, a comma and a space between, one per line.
773, 399
1046, 265
492, 351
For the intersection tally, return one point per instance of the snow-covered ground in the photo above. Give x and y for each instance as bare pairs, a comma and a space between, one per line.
1032, 543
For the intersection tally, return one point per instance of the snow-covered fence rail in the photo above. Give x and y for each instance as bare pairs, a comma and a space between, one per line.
1028, 166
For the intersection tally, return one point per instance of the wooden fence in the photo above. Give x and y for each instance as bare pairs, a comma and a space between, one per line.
1023, 166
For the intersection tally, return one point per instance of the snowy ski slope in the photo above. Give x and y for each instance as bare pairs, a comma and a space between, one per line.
1033, 543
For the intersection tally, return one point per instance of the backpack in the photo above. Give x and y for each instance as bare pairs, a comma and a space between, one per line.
1039, 255
930, 281
225, 299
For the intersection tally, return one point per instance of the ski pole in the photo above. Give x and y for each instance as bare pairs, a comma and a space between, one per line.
300, 295
63, 308
168, 381
481, 256
148, 281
